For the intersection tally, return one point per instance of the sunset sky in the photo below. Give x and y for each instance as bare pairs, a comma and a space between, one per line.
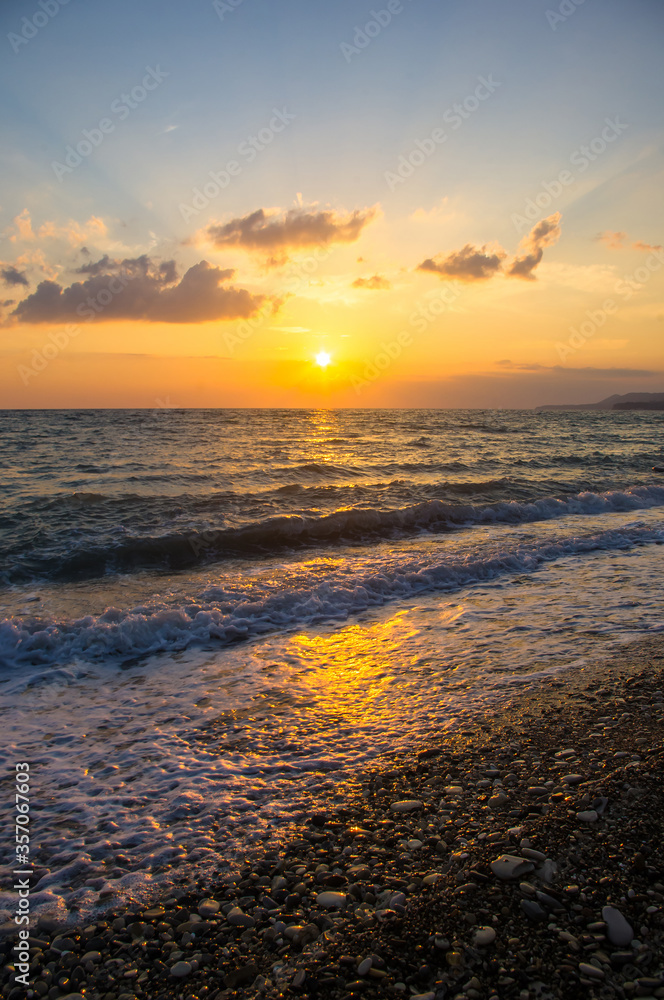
459, 203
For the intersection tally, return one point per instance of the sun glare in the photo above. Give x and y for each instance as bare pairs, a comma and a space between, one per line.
323, 359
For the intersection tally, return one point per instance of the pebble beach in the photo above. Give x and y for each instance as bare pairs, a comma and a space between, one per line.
520, 857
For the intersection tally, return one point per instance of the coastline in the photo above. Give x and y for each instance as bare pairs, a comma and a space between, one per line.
411, 904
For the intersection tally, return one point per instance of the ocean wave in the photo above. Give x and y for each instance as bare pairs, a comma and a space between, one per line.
183, 549
228, 617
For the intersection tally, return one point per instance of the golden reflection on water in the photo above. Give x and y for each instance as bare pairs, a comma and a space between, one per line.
361, 670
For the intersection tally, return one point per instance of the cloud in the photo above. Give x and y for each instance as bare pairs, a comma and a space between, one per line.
12, 276
277, 233
647, 247
141, 288
292, 329
72, 232
473, 263
469, 264
544, 234
375, 283
94, 267
23, 227
439, 214
563, 369
616, 241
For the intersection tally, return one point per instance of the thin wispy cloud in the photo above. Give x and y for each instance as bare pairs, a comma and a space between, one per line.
618, 241
375, 283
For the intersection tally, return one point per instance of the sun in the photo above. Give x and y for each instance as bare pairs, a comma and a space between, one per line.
323, 359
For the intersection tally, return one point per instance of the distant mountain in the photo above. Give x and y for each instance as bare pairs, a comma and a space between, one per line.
629, 401
652, 404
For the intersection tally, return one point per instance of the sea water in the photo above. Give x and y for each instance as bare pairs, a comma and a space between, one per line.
214, 618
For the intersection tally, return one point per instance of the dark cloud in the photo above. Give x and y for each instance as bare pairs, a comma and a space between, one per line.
481, 263
293, 230
140, 288
95, 267
12, 276
469, 264
544, 234
375, 283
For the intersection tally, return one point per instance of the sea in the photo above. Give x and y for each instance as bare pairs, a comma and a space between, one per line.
212, 620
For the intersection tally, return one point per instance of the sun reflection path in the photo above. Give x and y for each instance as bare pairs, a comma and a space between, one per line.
371, 678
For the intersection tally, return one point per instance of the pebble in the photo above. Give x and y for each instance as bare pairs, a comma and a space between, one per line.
331, 900
406, 806
181, 969
590, 970
195, 934
508, 866
238, 918
208, 907
532, 855
484, 936
533, 910
498, 800
62, 944
549, 903
619, 931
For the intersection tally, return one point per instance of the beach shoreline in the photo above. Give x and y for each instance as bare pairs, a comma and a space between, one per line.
411, 904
